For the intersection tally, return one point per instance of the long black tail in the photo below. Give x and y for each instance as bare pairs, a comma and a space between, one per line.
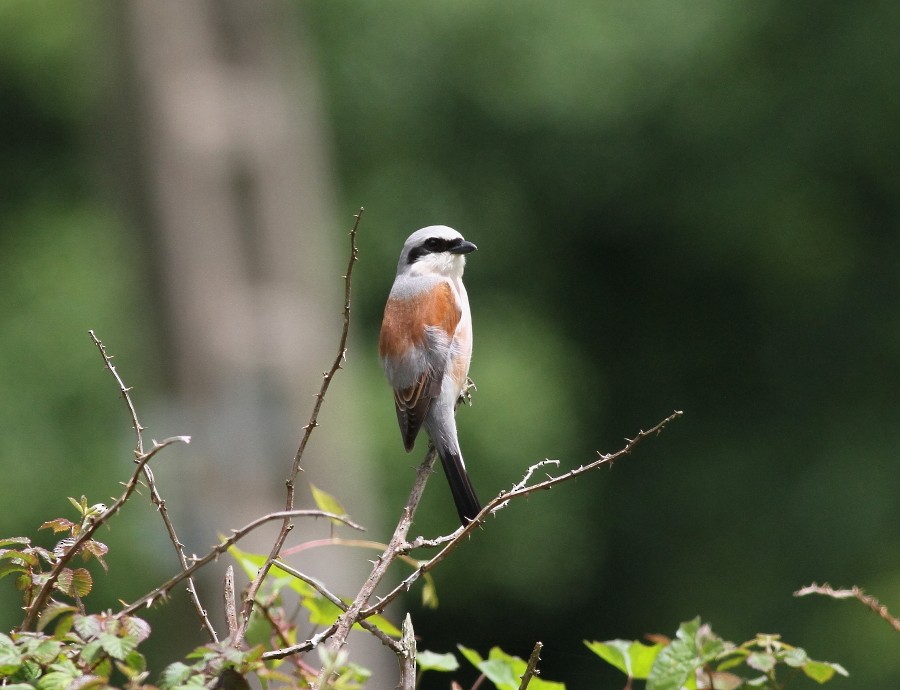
464, 497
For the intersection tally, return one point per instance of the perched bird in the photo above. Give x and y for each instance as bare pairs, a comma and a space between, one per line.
426, 346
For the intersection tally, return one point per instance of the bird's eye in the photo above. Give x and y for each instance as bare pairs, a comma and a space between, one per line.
433, 244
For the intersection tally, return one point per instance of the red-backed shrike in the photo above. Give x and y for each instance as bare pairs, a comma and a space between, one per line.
425, 348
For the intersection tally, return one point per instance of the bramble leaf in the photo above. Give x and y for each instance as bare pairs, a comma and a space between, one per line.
432, 661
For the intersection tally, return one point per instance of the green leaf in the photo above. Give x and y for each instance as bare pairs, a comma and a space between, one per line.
51, 612
470, 655
11, 567
326, 502
91, 652
634, 659
19, 557
174, 675
822, 671
506, 671
135, 627
6, 541
117, 647
134, 665
88, 626
82, 582
10, 657
323, 612
429, 592
795, 657
76, 582
432, 661
675, 665
58, 525
251, 563
31, 670
46, 652
761, 661
56, 680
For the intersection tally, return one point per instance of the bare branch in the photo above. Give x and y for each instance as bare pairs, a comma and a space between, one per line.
852, 593
531, 669
320, 587
230, 607
353, 613
406, 654
155, 496
221, 548
499, 502
286, 527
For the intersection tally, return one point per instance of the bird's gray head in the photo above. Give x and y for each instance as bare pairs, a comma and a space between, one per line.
435, 249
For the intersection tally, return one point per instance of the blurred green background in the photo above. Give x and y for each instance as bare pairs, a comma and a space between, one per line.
678, 205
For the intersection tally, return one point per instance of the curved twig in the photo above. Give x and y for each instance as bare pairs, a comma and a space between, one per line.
155, 496
286, 527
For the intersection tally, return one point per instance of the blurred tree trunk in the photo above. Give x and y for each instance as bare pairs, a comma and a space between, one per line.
230, 180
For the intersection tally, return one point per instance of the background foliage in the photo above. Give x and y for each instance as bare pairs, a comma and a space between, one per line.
686, 205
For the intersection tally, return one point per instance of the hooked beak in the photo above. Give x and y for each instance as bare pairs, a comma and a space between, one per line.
464, 247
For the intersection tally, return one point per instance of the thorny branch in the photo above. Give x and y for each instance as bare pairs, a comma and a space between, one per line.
498, 503
222, 547
852, 593
287, 525
353, 613
37, 604
155, 496
531, 670
360, 609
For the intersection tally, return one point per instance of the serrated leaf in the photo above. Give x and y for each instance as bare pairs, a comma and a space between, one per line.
135, 627
326, 502
6, 541
98, 550
761, 661
675, 664
136, 661
174, 675
795, 657
9, 567
58, 525
88, 626
432, 661
20, 557
10, 657
30, 670
633, 658
47, 651
74, 582
51, 612
117, 647
91, 652
82, 581
822, 671
56, 680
